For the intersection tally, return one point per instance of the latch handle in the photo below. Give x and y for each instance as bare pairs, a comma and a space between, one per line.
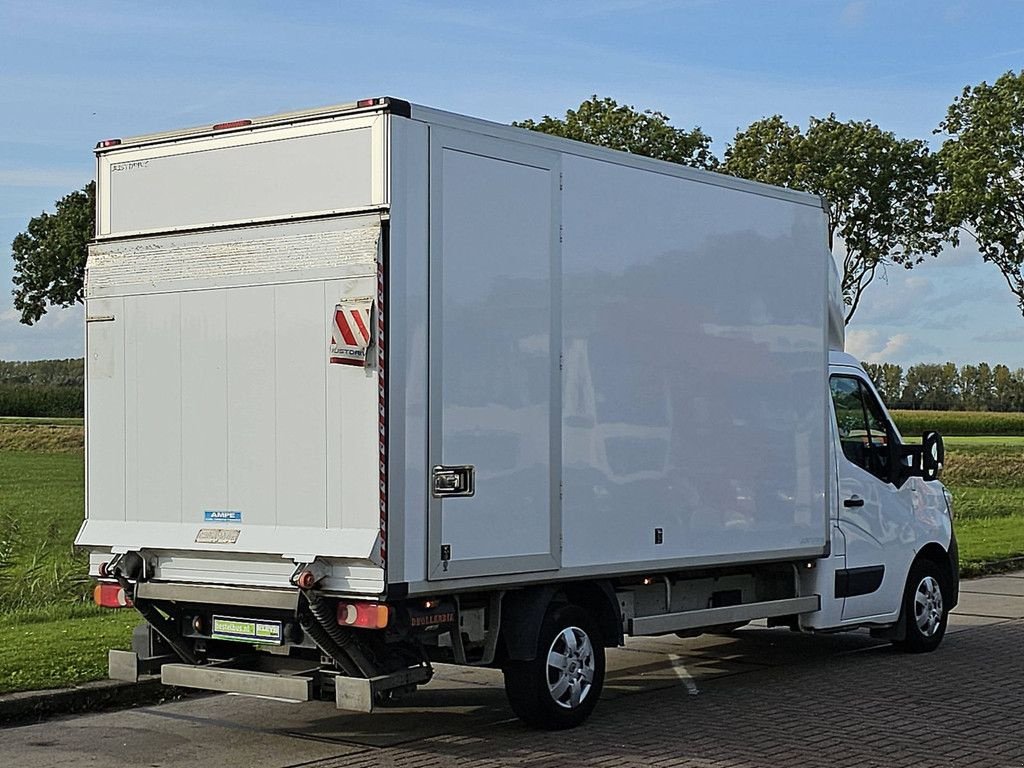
453, 480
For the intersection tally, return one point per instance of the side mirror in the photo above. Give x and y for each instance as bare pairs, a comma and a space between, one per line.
933, 453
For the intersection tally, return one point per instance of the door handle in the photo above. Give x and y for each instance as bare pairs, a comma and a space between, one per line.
853, 501
453, 480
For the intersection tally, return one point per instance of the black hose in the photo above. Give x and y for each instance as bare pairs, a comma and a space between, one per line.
340, 637
324, 642
160, 625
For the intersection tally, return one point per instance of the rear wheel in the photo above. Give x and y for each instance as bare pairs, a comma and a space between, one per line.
560, 687
925, 608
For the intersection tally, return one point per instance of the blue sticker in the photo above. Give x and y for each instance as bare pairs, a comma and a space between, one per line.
222, 516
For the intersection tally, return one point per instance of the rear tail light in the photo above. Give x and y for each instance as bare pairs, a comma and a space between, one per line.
110, 596
364, 615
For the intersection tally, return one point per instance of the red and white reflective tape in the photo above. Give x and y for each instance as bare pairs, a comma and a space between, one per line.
382, 416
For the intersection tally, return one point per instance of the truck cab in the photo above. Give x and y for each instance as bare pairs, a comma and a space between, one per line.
892, 518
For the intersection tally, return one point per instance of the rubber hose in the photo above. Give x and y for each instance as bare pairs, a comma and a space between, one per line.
324, 642
156, 621
344, 641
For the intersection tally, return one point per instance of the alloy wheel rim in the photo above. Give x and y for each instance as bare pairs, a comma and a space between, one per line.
928, 606
570, 668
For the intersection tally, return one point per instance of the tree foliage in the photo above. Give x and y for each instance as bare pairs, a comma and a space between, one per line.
944, 386
981, 174
605, 122
878, 189
49, 256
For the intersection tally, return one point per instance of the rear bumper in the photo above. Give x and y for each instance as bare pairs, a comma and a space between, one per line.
206, 594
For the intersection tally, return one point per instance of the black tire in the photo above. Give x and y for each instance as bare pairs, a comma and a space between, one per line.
925, 608
558, 697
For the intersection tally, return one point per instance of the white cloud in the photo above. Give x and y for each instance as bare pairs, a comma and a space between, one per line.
872, 346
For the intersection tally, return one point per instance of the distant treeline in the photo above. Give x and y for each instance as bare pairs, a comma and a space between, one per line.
946, 387
54, 373
55, 387
51, 388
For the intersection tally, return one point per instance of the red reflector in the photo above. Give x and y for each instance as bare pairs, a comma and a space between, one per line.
365, 615
107, 143
369, 102
232, 124
110, 596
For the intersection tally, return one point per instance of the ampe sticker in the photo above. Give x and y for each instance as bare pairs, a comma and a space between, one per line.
222, 516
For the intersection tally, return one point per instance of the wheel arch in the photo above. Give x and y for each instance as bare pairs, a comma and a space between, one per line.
947, 562
523, 612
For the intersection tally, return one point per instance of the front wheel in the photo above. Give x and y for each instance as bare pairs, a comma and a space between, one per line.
560, 687
925, 610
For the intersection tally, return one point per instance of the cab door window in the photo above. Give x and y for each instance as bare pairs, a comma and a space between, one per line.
864, 432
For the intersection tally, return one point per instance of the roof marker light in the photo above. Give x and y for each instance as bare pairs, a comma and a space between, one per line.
107, 143
232, 124
369, 102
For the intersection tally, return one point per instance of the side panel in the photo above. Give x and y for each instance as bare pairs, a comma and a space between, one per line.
494, 353
694, 413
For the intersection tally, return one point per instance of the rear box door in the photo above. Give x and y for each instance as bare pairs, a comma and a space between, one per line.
494, 443
233, 390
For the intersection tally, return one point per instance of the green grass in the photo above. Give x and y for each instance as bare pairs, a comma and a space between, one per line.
987, 543
50, 633
62, 421
979, 440
986, 477
38, 652
915, 423
41, 507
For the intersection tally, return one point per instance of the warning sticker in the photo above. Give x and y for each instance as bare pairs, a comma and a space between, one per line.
350, 335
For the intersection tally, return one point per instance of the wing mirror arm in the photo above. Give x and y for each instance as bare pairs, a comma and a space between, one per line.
925, 460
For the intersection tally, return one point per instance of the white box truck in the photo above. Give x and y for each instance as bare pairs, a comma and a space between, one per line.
375, 386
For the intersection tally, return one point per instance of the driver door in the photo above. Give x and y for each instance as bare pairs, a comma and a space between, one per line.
875, 515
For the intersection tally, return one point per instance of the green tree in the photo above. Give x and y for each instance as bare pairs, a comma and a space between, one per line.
878, 189
977, 387
981, 174
932, 386
605, 122
49, 256
888, 379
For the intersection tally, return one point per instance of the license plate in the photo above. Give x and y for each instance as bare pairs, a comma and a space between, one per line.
246, 630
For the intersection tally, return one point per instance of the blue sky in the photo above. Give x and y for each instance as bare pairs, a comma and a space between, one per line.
75, 72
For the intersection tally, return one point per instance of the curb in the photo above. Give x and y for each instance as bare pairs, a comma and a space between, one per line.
35, 706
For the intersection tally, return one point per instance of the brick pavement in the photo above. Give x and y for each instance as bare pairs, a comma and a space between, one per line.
960, 706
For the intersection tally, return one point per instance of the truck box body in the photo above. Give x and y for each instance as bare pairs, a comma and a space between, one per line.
631, 356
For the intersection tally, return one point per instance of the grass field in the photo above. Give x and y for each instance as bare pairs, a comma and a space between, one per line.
51, 635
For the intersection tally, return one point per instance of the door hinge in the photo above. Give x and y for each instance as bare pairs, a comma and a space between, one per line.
559, 181
559, 233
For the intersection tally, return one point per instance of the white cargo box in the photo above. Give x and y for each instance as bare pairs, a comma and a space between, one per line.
435, 353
